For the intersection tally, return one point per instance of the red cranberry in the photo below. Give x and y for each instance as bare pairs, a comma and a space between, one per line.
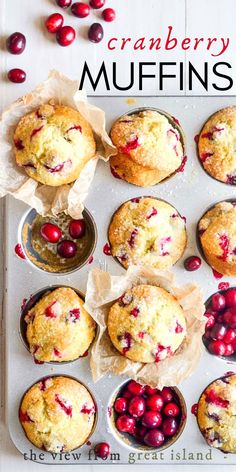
229, 317
229, 350
120, 405
171, 409
217, 348
65, 35
17, 76
150, 390
125, 424
126, 394
230, 298
64, 3
135, 388
210, 322
54, 22
151, 419
136, 407
218, 331
167, 394
155, 402
109, 14
19, 251
218, 302
169, 426
80, 9
95, 33
96, 4
50, 232
66, 249
230, 336
140, 432
154, 438
102, 450
192, 263
77, 228
16, 43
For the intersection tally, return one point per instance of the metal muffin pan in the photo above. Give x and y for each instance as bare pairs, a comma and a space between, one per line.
191, 192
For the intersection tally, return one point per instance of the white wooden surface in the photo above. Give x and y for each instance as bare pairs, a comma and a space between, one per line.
135, 18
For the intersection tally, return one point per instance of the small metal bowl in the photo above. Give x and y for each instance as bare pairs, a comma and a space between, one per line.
69, 377
201, 431
229, 359
173, 122
29, 304
140, 197
36, 260
129, 441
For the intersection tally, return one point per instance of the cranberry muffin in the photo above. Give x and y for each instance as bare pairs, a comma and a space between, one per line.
57, 414
147, 231
149, 148
216, 414
146, 324
58, 327
217, 233
216, 145
53, 144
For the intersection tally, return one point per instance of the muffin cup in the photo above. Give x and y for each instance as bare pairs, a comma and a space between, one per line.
29, 304
30, 253
129, 441
77, 380
219, 378
173, 121
130, 199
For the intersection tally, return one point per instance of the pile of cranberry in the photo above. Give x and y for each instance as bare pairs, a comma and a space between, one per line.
220, 330
151, 416
65, 248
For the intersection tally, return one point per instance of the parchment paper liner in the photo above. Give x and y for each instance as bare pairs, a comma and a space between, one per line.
103, 289
45, 199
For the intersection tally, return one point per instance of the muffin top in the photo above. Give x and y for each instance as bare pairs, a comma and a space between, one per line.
149, 139
216, 414
147, 231
53, 144
58, 327
146, 324
57, 414
217, 230
217, 143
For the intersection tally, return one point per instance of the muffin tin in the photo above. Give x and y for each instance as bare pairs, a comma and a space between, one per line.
192, 192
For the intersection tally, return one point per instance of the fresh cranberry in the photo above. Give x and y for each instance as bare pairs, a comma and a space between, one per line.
229, 317
210, 322
107, 249
150, 390
80, 9
67, 249
120, 405
217, 348
169, 426
125, 424
171, 409
136, 407
167, 394
218, 301
64, 3
109, 14
54, 22
102, 450
95, 33
126, 394
155, 402
135, 388
17, 76
16, 43
229, 350
154, 438
230, 298
65, 35
151, 419
50, 232
218, 331
77, 228
140, 432
192, 263
216, 274
230, 336
96, 4
19, 251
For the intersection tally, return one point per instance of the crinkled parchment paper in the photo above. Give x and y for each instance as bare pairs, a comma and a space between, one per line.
14, 181
102, 291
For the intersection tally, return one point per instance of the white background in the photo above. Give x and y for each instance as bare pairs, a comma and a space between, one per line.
136, 18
